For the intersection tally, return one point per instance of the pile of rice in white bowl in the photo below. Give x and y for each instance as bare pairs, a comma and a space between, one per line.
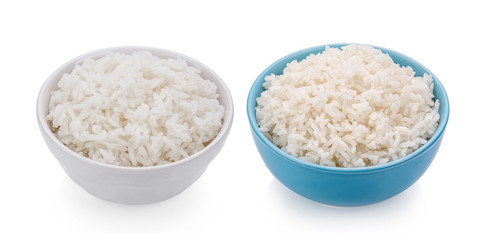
135, 110
348, 107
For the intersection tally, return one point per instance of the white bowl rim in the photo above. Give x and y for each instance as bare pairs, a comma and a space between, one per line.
227, 118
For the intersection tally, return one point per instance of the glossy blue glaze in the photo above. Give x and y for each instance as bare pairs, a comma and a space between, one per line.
346, 186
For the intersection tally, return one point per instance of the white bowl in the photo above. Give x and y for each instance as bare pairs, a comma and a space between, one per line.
133, 185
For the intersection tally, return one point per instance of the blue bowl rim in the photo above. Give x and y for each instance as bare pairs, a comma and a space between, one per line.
251, 104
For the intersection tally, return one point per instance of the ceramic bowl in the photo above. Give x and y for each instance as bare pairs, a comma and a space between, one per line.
133, 185
346, 186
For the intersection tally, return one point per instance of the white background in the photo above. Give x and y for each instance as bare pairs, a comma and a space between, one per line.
237, 197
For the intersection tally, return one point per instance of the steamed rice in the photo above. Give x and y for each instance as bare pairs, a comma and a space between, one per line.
348, 107
135, 110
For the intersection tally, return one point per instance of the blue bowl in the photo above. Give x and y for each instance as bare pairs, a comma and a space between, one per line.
346, 186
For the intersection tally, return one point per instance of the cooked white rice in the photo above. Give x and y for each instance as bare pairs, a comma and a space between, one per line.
349, 107
135, 110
